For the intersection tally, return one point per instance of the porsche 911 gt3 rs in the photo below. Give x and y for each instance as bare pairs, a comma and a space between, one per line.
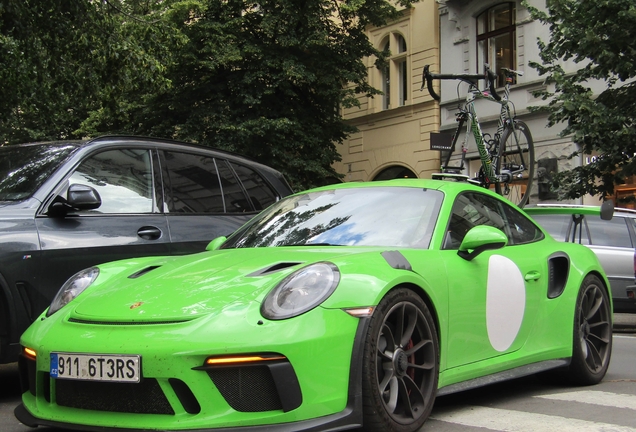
346, 306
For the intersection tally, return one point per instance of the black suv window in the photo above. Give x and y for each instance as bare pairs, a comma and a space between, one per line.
123, 178
203, 184
473, 209
23, 169
193, 184
260, 193
235, 199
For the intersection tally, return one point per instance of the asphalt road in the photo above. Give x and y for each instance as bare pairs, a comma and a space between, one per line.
539, 403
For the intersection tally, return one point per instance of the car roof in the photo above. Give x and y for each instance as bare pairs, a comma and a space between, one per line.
159, 142
114, 139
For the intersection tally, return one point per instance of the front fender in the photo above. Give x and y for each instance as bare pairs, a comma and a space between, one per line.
365, 279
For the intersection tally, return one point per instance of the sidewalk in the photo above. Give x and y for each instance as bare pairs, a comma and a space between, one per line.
624, 323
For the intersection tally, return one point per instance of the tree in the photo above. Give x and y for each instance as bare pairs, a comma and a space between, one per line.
266, 79
600, 36
65, 60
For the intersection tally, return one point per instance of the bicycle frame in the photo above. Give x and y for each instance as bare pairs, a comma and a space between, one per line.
468, 112
506, 159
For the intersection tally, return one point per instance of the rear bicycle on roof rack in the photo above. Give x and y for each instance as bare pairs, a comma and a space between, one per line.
507, 159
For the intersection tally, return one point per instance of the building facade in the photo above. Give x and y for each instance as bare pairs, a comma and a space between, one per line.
453, 36
394, 128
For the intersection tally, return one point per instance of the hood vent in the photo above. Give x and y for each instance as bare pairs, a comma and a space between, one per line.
273, 268
143, 272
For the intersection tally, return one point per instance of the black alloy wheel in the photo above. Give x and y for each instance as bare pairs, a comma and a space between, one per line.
401, 364
592, 339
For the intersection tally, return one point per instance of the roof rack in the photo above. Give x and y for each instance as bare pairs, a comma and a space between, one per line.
454, 177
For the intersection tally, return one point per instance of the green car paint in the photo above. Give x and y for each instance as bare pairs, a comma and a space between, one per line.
487, 298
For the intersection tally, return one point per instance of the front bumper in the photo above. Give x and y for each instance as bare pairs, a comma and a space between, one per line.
316, 388
350, 418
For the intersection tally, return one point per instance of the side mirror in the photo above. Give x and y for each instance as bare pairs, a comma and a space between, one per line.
83, 197
79, 197
479, 239
216, 243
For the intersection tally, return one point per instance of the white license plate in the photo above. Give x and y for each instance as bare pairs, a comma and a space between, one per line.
96, 367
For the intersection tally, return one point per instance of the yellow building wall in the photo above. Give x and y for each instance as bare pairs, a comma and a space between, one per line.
398, 136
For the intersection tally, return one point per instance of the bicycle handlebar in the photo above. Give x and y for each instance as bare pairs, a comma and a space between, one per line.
489, 76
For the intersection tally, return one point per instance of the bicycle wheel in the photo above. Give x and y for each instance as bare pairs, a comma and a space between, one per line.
515, 161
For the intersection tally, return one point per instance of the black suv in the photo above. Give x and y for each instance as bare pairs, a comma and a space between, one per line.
65, 206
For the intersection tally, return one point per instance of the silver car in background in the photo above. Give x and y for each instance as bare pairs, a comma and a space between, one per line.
613, 239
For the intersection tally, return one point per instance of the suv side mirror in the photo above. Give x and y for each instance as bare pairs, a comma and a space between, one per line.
79, 197
83, 197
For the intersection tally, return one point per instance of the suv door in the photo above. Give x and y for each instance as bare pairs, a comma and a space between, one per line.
127, 223
205, 198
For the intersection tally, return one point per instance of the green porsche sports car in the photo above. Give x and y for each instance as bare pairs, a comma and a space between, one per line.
352, 305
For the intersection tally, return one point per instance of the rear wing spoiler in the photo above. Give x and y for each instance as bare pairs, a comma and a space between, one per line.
605, 210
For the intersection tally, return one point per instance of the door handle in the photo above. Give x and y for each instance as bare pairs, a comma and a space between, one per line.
533, 275
149, 233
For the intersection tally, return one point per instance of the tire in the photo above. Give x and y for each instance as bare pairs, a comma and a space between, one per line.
592, 338
399, 378
516, 157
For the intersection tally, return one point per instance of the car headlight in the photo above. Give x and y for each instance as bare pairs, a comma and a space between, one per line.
301, 291
72, 288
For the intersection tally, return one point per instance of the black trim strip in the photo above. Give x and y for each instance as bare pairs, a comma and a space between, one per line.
506, 375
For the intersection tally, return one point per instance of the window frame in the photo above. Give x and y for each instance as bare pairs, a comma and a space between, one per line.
487, 35
397, 93
155, 184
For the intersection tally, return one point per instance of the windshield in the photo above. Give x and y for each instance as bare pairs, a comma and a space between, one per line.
23, 169
369, 216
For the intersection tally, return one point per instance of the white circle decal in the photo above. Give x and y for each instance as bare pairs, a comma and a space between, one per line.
505, 302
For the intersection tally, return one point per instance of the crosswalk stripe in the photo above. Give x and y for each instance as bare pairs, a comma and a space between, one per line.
518, 421
596, 398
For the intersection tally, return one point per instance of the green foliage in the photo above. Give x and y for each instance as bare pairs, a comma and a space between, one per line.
266, 79
600, 36
65, 60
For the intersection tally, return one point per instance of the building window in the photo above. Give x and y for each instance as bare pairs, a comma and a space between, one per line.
395, 93
386, 77
496, 41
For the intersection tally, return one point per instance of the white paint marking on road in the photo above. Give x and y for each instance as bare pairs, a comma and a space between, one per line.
518, 421
625, 336
596, 398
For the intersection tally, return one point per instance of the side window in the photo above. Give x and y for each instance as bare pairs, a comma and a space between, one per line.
557, 225
609, 232
520, 228
123, 178
471, 210
261, 195
235, 198
192, 184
